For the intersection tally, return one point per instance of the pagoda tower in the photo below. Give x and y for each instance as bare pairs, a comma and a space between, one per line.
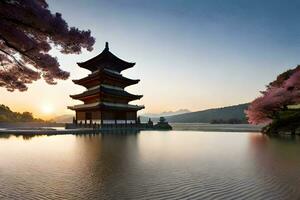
105, 101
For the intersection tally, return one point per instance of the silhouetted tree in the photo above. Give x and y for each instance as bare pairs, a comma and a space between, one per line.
27, 31
7, 115
26, 117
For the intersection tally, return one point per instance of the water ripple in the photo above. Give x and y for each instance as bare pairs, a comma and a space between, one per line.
150, 165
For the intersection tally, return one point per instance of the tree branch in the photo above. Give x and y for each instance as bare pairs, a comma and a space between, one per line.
20, 65
16, 49
18, 22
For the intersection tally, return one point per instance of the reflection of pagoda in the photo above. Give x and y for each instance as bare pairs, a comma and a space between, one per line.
105, 101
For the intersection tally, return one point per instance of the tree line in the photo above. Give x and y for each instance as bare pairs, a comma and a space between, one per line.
7, 115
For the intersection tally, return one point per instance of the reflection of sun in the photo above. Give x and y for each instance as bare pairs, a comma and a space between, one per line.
47, 109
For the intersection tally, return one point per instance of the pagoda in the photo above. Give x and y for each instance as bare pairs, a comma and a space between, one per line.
105, 100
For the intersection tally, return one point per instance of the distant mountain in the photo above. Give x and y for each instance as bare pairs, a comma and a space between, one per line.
168, 113
229, 114
63, 119
226, 114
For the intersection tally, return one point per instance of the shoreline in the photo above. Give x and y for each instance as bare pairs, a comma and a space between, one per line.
175, 126
66, 131
216, 127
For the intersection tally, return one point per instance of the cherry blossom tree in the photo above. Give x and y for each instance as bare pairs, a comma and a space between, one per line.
281, 93
281, 78
293, 83
28, 30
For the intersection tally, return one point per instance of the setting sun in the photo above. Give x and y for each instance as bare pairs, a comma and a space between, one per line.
47, 108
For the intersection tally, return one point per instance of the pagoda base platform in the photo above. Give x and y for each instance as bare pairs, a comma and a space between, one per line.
141, 126
105, 127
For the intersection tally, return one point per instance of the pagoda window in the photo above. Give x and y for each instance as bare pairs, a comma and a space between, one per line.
109, 121
121, 121
130, 121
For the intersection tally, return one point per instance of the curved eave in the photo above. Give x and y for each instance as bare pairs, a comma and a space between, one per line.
116, 66
106, 59
82, 96
108, 106
106, 91
120, 77
124, 80
105, 56
111, 107
119, 93
127, 80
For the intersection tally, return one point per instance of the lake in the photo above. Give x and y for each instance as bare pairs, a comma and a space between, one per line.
150, 165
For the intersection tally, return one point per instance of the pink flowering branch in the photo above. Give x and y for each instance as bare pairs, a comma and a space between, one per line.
281, 93
27, 30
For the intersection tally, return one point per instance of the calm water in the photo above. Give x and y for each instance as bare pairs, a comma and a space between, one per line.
150, 165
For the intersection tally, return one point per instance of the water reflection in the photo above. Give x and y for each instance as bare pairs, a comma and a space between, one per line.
28, 136
150, 165
277, 162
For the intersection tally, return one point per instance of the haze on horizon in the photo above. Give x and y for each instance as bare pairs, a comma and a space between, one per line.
189, 54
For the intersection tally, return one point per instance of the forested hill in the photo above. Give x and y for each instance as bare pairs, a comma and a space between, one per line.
7, 115
230, 114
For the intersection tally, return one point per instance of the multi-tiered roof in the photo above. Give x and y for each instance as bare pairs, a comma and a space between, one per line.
105, 86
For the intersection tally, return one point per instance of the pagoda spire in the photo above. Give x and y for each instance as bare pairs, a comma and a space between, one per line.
106, 46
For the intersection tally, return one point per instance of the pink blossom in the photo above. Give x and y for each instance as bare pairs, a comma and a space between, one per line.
284, 91
27, 28
293, 81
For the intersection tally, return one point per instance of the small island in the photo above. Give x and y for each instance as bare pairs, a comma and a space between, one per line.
163, 124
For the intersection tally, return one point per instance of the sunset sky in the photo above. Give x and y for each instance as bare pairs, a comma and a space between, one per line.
189, 54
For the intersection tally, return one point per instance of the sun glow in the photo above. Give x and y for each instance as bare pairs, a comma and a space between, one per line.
47, 108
